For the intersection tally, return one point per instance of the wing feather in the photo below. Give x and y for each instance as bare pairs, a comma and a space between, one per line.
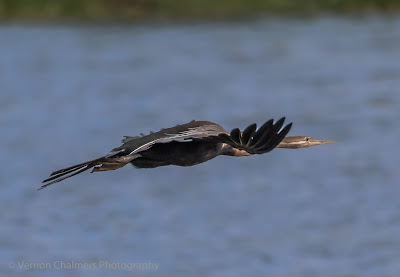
260, 141
248, 133
180, 133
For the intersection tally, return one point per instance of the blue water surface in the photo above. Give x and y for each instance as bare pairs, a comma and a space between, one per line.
68, 93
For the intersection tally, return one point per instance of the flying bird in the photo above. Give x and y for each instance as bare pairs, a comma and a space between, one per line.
190, 144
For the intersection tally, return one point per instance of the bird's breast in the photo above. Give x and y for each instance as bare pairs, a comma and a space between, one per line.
182, 153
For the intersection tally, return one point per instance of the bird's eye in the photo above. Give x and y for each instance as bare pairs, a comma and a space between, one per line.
307, 138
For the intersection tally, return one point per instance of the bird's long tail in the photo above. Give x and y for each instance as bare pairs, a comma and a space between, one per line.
100, 164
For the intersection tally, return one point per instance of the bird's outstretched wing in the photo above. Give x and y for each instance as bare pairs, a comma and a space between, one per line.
195, 130
260, 141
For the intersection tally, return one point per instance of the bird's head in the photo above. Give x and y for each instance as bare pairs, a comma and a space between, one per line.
295, 142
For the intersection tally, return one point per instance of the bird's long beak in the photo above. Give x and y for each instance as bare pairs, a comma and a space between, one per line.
312, 142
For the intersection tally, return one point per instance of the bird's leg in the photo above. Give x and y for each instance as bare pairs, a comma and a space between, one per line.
228, 150
115, 163
107, 166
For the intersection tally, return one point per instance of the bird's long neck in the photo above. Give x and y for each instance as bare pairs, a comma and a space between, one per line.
292, 142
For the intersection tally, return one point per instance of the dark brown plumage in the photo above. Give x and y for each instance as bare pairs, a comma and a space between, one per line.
186, 145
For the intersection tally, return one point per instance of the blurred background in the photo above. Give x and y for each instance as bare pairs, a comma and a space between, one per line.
76, 76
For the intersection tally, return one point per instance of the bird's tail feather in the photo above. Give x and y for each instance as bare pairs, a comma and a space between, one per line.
96, 164
75, 166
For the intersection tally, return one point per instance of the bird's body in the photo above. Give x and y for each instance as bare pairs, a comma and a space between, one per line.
183, 145
183, 154
187, 145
